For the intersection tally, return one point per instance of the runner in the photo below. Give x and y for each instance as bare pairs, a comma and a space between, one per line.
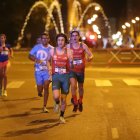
79, 50
38, 40
40, 55
5, 53
61, 57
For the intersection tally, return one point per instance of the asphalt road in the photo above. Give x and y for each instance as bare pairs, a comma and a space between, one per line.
111, 106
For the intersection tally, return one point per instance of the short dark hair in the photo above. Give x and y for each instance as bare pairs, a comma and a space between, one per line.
46, 34
75, 32
62, 35
3, 35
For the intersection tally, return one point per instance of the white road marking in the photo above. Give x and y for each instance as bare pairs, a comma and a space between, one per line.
110, 105
102, 83
15, 84
115, 134
132, 82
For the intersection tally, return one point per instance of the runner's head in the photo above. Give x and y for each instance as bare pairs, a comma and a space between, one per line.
61, 40
45, 39
75, 36
38, 40
2, 38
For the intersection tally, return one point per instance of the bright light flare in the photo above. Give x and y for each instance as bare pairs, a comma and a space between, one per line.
137, 18
133, 21
89, 21
99, 36
97, 8
123, 26
127, 24
92, 37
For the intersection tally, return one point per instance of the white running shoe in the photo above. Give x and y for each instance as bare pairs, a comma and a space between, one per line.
62, 120
56, 108
45, 110
4, 93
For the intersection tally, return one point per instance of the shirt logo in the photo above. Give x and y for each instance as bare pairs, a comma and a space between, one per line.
42, 55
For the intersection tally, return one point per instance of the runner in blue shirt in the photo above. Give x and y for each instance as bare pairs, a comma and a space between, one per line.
40, 55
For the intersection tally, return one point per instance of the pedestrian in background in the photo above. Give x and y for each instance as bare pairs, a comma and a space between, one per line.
5, 53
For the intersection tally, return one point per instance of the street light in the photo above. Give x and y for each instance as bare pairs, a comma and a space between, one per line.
97, 8
92, 36
99, 36
123, 26
89, 21
133, 21
137, 18
127, 24
95, 16
93, 19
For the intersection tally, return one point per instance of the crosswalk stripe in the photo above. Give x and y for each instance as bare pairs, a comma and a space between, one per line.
103, 83
98, 83
115, 134
110, 105
15, 84
132, 82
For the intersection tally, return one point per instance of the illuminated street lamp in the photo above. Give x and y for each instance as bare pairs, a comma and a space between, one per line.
127, 24
95, 16
97, 8
93, 19
99, 36
133, 21
137, 18
92, 37
123, 26
83, 38
95, 27
89, 21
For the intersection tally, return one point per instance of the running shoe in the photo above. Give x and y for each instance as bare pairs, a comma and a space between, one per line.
80, 107
45, 110
75, 108
4, 93
62, 120
56, 108
40, 94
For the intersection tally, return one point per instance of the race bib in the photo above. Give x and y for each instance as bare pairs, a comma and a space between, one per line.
60, 70
4, 52
77, 62
43, 67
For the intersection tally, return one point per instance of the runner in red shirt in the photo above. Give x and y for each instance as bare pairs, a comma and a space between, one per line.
5, 53
79, 50
61, 58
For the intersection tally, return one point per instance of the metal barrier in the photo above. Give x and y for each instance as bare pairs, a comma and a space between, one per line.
124, 56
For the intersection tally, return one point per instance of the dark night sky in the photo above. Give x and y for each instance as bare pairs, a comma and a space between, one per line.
13, 12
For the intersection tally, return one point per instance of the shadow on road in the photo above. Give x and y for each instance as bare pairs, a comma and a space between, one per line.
31, 130
19, 115
37, 122
37, 109
24, 99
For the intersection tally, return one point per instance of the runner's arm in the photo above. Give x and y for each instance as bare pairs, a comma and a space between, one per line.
70, 56
88, 52
33, 58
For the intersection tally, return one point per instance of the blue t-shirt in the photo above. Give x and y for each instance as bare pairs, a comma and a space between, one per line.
41, 53
4, 53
